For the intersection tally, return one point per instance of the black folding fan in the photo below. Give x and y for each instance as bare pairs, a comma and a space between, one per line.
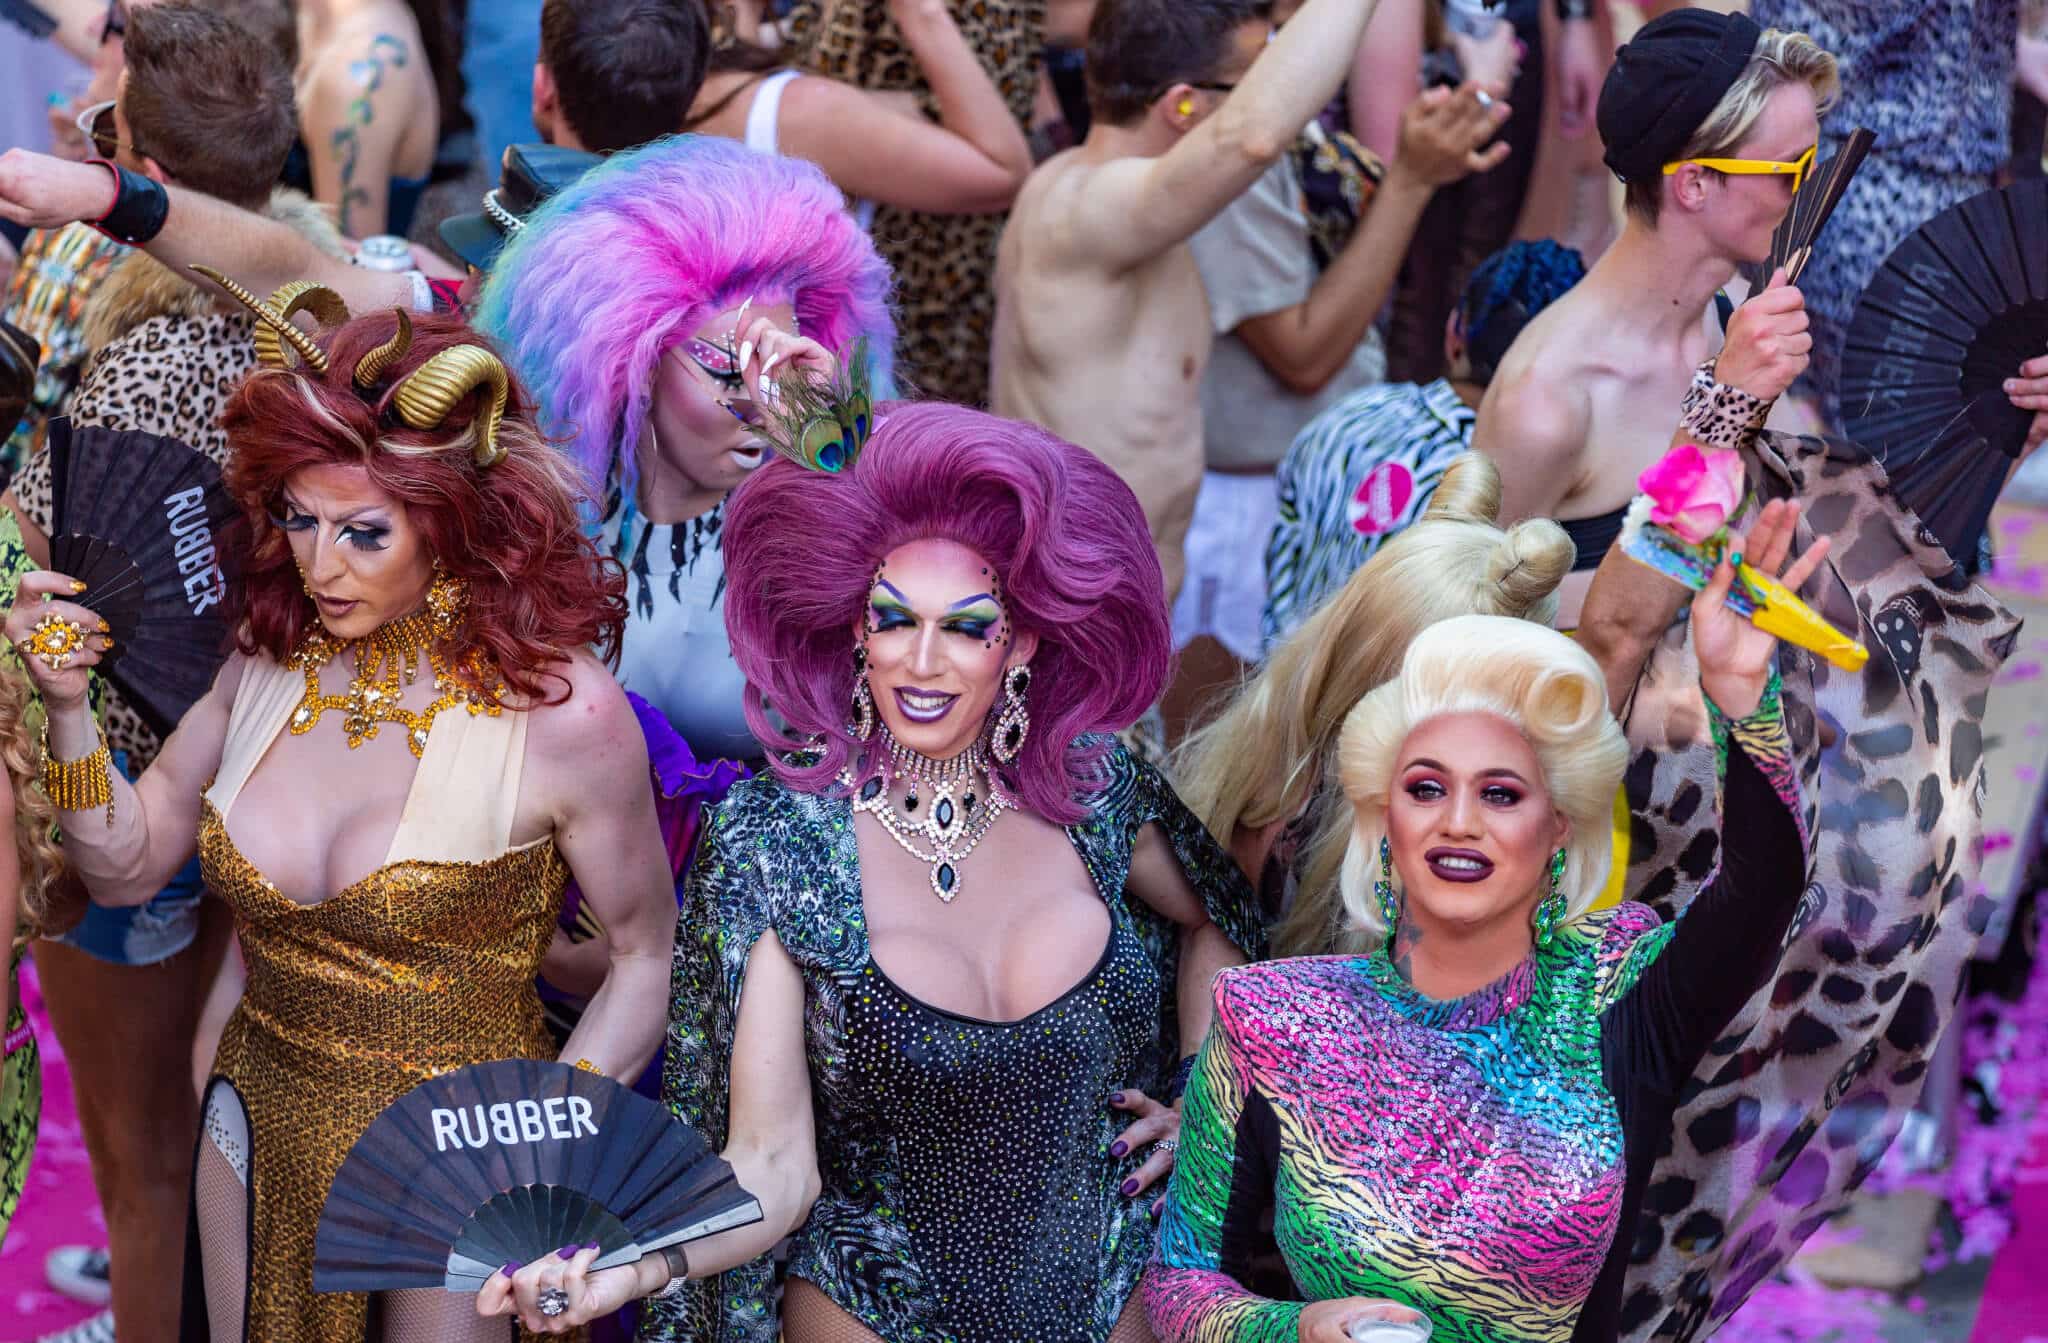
506, 1162
1951, 314
146, 523
1793, 241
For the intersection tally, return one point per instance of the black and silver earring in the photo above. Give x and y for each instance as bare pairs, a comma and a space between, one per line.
863, 699
1014, 724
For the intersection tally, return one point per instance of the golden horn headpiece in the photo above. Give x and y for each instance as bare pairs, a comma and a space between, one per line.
274, 319
377, 362
436, 387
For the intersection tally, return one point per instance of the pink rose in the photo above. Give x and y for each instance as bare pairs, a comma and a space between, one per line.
1692, 491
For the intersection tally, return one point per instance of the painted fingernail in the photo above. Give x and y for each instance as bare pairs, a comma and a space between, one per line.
510, 1268
1130, 1186
78, 585
104, 627
746, 352
1735, 560
1116, 1098
1119, 1147
1156, 1210
567, 1252
591, 1246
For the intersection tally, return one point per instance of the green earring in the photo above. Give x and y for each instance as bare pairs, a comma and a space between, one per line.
1383, 888
1550, 912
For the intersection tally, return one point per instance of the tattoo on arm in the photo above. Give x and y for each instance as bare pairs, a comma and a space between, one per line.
367, 76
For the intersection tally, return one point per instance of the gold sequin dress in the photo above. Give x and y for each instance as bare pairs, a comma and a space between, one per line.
424, 965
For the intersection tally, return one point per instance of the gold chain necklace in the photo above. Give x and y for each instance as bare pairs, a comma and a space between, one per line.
954, 817
386, 662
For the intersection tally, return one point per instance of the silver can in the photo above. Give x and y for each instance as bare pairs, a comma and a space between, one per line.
386, 252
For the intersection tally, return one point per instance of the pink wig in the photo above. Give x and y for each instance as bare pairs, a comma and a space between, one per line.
1065, 536
632, 257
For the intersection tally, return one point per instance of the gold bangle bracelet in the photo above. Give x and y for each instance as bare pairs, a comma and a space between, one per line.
82, 784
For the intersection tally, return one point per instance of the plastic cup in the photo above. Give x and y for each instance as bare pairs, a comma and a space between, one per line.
1390, 1323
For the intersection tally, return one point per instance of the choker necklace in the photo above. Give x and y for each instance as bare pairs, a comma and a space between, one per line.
386, 662
942, 807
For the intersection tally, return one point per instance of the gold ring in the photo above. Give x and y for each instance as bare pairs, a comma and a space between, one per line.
56, 641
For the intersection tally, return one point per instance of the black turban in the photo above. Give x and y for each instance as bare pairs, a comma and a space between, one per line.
1665, 82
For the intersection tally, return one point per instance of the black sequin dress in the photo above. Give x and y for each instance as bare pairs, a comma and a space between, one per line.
969, 1194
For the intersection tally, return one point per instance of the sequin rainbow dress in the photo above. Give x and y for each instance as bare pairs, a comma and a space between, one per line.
425, 965
1471, 1158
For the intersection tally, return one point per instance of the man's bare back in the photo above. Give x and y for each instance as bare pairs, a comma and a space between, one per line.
1109, 359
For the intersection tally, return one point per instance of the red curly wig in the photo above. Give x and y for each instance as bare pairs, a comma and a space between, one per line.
538, 588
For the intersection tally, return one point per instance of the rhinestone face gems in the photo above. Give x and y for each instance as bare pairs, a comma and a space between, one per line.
946, 810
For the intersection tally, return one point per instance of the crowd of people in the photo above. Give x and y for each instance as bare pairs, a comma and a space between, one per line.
1315, 909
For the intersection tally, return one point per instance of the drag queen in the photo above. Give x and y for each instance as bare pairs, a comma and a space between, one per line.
1459, 1121
389, 783
937, 963
1260, 774
721, 263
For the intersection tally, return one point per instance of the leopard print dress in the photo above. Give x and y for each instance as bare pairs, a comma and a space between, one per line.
945, 265
1812, 1079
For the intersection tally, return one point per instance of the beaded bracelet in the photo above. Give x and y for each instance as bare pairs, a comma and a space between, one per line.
82, 784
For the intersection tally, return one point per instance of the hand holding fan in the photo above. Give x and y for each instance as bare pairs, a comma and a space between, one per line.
146, 524
1678, 526
506, 1162
1952, 313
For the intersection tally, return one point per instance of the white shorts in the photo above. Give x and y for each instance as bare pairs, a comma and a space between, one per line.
1225, 587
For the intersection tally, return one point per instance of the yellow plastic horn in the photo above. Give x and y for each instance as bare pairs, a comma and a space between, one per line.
377, 362
268, 322
437, 386
1780, 612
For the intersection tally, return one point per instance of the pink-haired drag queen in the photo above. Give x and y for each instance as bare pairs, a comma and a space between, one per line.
939, 960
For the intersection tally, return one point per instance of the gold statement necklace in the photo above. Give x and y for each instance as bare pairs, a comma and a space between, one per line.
387, 661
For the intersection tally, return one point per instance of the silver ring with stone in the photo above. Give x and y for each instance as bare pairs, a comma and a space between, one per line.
553, 1302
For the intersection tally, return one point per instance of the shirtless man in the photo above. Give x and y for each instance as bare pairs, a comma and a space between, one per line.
1587, 396
1102, 324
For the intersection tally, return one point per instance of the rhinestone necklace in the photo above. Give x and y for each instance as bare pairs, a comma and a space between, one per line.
941, 807
386, 662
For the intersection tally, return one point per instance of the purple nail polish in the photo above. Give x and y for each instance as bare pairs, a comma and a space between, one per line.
591, 1246
510, 1268
1130, 1186
1119, 1147
1116, 1098
567, 1252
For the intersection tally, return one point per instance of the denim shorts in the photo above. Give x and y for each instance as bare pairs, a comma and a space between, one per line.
147, 933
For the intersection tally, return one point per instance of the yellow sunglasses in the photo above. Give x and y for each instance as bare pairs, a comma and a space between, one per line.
1798, 168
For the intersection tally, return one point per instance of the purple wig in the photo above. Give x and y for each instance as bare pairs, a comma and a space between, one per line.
631, 258
1065, 536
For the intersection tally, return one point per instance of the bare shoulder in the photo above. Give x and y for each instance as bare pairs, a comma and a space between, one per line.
361, 55
1062, 198
1532, 415
592, 720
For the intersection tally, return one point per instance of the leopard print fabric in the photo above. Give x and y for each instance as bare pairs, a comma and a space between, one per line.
1836, 1048
945, 265
169, 375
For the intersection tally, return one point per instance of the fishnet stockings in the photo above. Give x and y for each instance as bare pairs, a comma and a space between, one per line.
808, 1316
220, 1188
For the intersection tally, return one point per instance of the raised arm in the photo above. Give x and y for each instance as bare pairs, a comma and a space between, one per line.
1727, 945
973, 161
1386, 75
605, 830
261, 253
1443, 138
1136, 208
127, 847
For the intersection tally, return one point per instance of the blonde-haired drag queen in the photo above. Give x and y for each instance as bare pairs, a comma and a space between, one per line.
1458, 1121
1260, 774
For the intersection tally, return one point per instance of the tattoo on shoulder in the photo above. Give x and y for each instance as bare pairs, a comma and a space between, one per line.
366, 76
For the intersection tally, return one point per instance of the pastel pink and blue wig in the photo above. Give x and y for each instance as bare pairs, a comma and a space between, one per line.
630, 259
1065, 536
